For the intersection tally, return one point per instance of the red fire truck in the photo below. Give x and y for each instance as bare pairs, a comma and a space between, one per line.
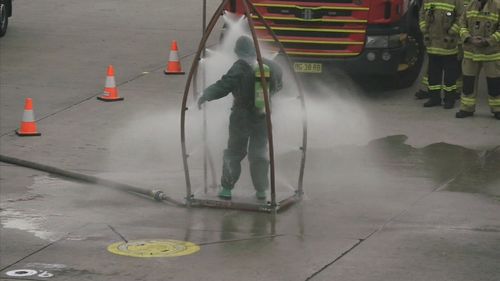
376, 38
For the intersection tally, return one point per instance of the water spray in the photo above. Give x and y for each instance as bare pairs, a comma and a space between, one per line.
273, 205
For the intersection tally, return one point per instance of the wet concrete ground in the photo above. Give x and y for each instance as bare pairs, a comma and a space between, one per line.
393, 191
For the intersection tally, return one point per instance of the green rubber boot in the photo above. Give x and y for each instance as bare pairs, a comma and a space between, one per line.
261, 195
225, 193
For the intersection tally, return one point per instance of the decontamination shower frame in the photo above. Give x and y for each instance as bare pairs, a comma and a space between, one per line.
272, 205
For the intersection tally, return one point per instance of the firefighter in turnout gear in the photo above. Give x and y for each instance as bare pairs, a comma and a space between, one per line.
480, 32
439, 25
247, 122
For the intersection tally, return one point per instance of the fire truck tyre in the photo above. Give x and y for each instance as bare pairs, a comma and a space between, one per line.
406, 78
4, 18
414, 58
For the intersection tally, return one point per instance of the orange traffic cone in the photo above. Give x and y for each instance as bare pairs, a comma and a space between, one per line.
28, 125
174, 65
110, 89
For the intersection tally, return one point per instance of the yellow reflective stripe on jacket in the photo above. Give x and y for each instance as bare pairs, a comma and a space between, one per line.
481, 57
480, 15
441, 51
422, 24
434, 87
450, 88
439, 6
468, 101
493, 101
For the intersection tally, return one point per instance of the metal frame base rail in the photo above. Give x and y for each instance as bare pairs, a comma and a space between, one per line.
266, 206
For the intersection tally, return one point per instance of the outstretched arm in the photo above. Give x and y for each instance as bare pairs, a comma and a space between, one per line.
223, 86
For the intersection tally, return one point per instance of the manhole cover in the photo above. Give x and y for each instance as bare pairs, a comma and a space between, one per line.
153, 248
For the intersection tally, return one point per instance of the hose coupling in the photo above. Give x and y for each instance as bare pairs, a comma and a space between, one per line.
158, 195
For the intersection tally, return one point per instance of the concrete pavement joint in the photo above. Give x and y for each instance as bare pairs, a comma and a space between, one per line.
42, 248
29, 255
437, 188
117, 233
336, 259
144, 73
79, 102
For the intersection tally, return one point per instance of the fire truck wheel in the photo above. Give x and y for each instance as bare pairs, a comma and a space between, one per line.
414, 59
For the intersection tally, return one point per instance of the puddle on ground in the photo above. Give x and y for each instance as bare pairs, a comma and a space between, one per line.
467, 170
32, 223
28, 219
388, 160
453, 167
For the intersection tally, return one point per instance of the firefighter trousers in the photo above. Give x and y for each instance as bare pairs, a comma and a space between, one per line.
246, 130
471, 70
443, 73
424, 83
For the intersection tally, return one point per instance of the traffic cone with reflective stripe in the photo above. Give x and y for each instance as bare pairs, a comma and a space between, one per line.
174, 65
28, 125
110, 89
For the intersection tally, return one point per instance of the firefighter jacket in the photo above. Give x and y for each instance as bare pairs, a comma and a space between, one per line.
439, 23
484, 23
240, 80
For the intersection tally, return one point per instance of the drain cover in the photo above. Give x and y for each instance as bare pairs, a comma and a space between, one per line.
153, 248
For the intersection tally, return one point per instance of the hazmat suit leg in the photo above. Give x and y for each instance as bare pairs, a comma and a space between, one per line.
239, 132
258, 154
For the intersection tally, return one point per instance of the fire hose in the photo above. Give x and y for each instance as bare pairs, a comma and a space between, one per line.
157, 195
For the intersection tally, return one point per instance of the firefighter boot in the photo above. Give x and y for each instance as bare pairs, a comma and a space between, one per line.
449, 100
463, 114
225, 193
421, 94
497, 115
434, 100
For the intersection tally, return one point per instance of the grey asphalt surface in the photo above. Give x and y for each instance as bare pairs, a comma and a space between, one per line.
393, 191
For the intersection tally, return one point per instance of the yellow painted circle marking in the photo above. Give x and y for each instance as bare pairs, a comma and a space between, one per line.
157, 248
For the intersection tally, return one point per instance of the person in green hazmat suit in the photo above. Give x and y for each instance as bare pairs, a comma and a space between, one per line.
247, 122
